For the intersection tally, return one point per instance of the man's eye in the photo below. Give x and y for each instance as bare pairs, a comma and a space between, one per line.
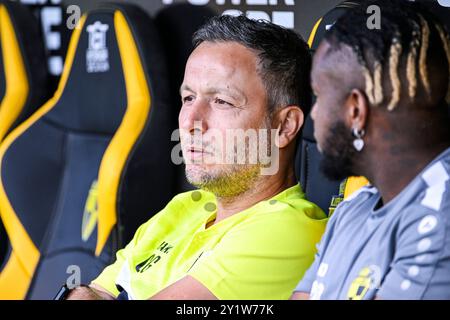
222, 102
188, 99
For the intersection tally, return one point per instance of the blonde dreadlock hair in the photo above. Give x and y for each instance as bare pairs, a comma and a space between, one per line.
410, 40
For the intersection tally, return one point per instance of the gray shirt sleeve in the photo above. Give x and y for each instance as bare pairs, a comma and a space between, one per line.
421, 265
309, 277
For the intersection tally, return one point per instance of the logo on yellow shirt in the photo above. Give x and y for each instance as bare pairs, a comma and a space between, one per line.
164, 247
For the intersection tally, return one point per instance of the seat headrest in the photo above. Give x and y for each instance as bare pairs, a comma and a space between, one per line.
317, 34
324, 23
94, 97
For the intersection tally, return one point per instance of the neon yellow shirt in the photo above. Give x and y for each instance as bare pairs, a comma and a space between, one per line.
259, 253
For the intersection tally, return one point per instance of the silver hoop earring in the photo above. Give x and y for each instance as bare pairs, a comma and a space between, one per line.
358, 143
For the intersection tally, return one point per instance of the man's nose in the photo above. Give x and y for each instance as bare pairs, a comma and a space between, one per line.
194, 117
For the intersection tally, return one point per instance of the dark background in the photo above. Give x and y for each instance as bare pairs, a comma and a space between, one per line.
300, 15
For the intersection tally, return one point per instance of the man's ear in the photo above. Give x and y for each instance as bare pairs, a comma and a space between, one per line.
289, 120
357, 110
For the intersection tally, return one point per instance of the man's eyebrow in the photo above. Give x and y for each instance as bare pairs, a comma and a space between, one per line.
233, 92
185, 87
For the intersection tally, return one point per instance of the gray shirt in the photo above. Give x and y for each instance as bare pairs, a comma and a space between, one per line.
399, 251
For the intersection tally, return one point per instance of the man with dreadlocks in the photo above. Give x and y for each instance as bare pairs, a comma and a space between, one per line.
387, 120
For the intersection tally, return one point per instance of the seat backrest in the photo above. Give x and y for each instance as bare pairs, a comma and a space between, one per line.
23, 73
319, 189
91, 161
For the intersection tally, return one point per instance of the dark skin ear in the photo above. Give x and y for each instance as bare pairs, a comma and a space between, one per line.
357, 110
289, 121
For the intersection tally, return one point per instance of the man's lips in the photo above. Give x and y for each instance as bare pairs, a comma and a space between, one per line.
195, 153
193, 149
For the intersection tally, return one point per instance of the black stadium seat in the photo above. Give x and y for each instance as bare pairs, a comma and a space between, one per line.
91, 164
